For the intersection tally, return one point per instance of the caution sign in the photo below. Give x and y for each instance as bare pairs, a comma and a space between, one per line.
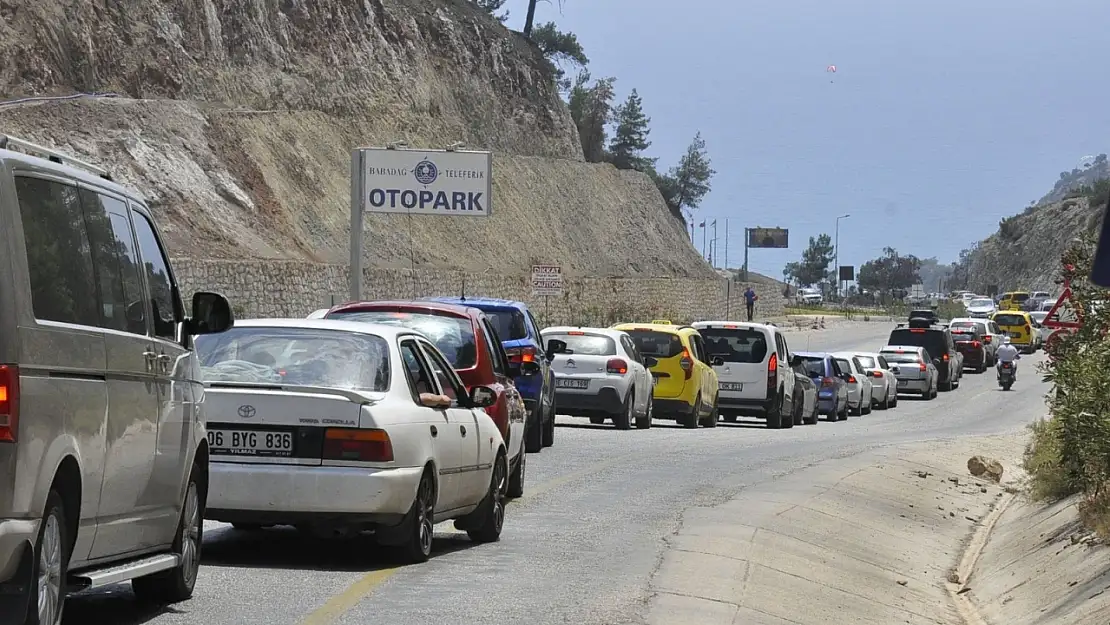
547, 280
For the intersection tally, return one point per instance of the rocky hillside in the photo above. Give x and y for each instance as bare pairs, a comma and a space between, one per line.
1091, 172
236, 120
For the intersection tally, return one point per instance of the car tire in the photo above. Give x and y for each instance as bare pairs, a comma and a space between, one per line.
843, 416
799, 406
644, 422
730, 417
714, 416
623, 421
814, 414
533, 430
834, 414
516, 480
549, 425
177, 583
413, 537
775, 416
858, 410
690, 419
491, 512
51, 550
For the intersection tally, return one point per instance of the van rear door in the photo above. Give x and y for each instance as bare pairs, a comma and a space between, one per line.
746, 351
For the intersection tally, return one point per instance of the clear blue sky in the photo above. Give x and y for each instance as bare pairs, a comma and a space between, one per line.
943, 116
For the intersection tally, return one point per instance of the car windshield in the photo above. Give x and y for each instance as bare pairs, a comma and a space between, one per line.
508, 323
454, 336
295, 356
1019, 297
739, 345
902, 357
657, 344
1009, 320
585, 344
814, 366
981, 303
867, 362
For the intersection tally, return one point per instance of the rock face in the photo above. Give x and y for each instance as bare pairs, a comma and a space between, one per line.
981, 466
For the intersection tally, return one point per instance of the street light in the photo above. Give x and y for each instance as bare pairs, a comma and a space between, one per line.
836, 253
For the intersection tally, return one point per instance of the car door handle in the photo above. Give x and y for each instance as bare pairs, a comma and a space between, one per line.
150, 360
462, 428
435, 432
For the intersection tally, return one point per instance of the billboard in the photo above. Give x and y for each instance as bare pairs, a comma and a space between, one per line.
847, 273
425, 182
769, 238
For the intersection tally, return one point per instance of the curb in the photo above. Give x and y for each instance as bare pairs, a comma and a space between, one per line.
958, 592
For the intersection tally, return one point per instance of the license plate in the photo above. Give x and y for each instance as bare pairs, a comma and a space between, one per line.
731, 386
571, 383
903, 382
250, 443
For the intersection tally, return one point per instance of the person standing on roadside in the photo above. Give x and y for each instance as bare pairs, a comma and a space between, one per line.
749, 301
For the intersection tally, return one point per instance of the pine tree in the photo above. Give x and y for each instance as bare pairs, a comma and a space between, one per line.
686, 184
631, 135
591, 110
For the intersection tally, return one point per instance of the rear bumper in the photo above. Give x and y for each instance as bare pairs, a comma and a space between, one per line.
745, 406
16, 558
530, 387
913, 386
670, 408
253, 493
606, 401
974, 359
15, 535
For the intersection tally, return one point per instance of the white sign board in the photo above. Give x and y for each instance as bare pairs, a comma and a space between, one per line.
547, 280
425, 182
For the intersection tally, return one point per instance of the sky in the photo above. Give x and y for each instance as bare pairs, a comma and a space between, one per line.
942, 118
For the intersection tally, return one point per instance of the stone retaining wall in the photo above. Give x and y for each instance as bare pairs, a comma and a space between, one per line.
296, 288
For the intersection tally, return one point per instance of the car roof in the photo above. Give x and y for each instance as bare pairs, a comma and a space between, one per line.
70, 167
844, 355
609, 332
968, 320
706, 325
357, 327
655, 327
459, 311
477, 302
901, 348
813, 354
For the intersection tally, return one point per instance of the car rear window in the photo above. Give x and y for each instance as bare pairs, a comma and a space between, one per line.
657, 344
867, 362
509, 324
1009, 320
814, 366
1019, 297
933, 341
902, 358
969, 326
966, 335
454, 336
585, 344
295, 356
740, 345
845, 366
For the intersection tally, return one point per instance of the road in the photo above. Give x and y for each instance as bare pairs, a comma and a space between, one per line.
581, 546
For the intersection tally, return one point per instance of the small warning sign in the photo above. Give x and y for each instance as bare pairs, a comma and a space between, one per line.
547, 280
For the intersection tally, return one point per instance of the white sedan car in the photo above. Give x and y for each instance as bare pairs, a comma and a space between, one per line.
884, 384
981, 308
859, 383
339, 426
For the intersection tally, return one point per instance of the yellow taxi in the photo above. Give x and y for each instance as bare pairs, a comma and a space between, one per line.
685, 383
1019, 325
1013, 300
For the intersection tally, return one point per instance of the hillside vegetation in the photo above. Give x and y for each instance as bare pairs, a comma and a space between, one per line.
236, 121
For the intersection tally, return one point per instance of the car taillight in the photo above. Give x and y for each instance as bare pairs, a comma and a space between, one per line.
9, 403
923, 367
986, 339
944, 357
976, 344
687, 363
616, 365
852, 379
518, 355
361, 445
876, 373
828, 382
773, 371
1027, 328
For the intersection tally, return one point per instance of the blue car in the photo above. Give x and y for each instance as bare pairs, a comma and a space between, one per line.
832, 383
520, 336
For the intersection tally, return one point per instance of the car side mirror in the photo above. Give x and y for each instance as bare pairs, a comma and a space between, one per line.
434, 400
650, 361
211, 314
555, 346
718, 361
482, 397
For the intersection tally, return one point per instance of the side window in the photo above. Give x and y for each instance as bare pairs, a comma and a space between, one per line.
59, 261
835, 368
696, 345
449, 382
116, 263
785, 349
420, 379
534, 327
856, 364
882, 363
630, 349
159, 282
496, 352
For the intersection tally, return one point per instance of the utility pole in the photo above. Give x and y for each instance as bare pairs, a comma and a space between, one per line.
713, 257
726, 244
704, 242
746, 237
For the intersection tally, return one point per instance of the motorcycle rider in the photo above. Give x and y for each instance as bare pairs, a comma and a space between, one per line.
1007, 353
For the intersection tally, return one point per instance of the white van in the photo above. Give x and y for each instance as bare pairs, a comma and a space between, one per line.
756, 378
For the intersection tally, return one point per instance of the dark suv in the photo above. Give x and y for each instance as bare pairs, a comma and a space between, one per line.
938, 342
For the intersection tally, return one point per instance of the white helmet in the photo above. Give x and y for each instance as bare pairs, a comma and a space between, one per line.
1006, 340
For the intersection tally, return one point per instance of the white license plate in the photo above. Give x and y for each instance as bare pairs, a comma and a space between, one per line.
730, 386
571, 383
903, 382
250, 443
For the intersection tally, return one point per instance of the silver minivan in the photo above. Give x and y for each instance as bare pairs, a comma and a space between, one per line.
103, 450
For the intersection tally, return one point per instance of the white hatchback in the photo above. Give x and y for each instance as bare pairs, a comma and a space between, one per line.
340, 426
884, 384
859, 383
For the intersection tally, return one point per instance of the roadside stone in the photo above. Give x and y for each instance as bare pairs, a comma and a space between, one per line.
953, 577
902, 582
981, 466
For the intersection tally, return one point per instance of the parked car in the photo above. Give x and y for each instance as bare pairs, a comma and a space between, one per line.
806, 388
1013, 300
1038, 323
344, 426
969, 342
938, 342
860, 391
469, 340
832, 383
915, 369
685, 383
600, 374
520, 334
884, 384
753, 373
982, 307
102, 449
989, 332
924, 313
1019, 325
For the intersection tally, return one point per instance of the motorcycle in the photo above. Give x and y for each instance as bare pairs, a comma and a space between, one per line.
1006, 375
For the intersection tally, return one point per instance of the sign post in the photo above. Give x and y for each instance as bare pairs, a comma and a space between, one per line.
415, 182
764, 238
547, 280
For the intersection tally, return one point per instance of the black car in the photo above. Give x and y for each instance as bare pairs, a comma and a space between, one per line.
924, 313
969, 342
938, 342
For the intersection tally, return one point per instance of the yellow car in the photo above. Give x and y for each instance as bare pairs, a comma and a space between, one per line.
1019, 325
685, 383
1013, 300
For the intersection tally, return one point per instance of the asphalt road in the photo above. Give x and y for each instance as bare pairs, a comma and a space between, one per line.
581, 546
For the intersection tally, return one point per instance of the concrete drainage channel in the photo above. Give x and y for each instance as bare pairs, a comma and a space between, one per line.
899, 535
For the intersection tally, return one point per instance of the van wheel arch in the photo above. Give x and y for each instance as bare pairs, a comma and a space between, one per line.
67, 482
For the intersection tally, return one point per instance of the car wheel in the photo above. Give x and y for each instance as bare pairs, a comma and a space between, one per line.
533, 430
868, 407
51, 561
775, 416
843, 416
690, 419
549, 425
858, 410
714, 416
814, 414
730, 417
834, 414
516, 480
491, 512
417, 530
644, 422
623, 421
177, 584
799, 406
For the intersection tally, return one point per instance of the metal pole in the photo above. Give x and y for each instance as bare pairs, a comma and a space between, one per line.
714, 243
726, 243
357, 193
728, 293
836, 253
704, 251
746, 236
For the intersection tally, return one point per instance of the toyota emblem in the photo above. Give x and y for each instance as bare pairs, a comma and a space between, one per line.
246, 411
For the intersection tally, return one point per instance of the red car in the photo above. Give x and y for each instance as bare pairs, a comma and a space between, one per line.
468, 339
